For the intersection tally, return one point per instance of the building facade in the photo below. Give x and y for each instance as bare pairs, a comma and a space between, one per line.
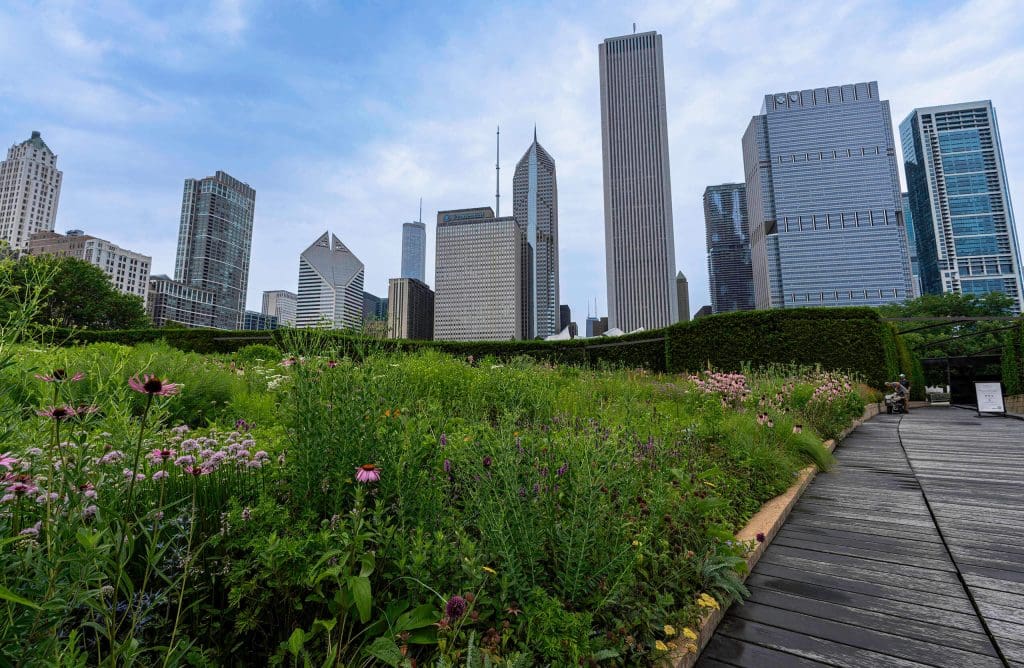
682, 297
639, 244
823, 200
214, 243
481, 277
908, 221
960, 201
255, 320
414, 251
128, 270
564, 316
728, 237
171, 301
535, 206
280, 304
29, 192
410, 310
330, 286
374, 308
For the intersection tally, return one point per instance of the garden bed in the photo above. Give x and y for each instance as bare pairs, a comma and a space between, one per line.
403, 509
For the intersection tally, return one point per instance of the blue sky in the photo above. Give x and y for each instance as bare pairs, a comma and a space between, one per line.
342, 115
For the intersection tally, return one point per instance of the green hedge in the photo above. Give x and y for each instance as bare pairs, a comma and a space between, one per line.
849, 339
1013, 359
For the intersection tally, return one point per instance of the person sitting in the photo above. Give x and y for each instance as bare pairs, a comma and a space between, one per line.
903, 388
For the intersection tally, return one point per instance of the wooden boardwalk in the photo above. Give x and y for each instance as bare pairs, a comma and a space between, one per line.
870, 568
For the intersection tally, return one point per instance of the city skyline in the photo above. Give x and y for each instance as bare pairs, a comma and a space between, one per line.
125, 141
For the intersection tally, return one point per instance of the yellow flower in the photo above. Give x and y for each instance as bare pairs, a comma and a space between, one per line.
670, 630
671, 645
690, 647
707, 601
636, 543
660, 646
488, 569
689, 634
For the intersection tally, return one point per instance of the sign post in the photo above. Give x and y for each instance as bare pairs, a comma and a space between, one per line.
990, 398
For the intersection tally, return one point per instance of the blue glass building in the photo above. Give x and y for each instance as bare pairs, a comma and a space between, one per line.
728, 238
908, 220
960, 202
414, 251
823, 199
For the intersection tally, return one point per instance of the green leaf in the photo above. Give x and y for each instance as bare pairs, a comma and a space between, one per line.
326, 624
385, 650
360, 588
8, 595
295, 642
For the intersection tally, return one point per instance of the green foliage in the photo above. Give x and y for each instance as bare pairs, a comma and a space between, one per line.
854, 340
78, 294
1013, 359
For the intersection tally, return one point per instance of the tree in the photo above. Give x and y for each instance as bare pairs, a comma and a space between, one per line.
77, 294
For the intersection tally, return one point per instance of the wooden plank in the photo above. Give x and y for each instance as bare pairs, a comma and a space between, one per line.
725, 651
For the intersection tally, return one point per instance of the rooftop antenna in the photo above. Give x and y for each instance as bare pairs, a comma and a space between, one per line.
497, 174
634, 27
420, 219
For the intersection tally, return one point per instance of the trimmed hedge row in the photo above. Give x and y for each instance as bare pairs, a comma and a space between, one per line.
849, 339
1013, 359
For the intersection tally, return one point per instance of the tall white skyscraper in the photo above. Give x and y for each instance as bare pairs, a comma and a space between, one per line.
960, 201
414, 251
535, 206
481, 277
29, 191
330, 286
639, 245
280, 304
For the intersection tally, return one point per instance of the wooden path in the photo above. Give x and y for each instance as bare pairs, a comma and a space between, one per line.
870, 568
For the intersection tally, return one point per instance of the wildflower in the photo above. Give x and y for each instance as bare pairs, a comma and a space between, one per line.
444, 440
87, 410
447, 466
242, 425
183, 428
488, 460
89, 512
660, 646
455, 608
691, 648
562, 470
153, 386
488, 569
760, 537
57, 412
368, 473
8, 461
669, 630
331, 364
184, 460
797, 428
112, 457
19, 488
59, 376
689, 634
32, 530
246, 514
705, 600
35, 452
288, 361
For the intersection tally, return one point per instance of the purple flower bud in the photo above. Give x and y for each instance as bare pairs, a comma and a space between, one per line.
455, 608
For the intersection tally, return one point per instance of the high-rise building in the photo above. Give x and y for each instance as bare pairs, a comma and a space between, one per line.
908, 221
960, 201
255, 320
535, 206
564, 316
280, 304
214, 243
639, 246
728, 238
410, 310
171, 301
330, 286
374, 308
682, 297
823, 199
481, 277
703, 312
414, 251
29, 192
596, 326
128, 270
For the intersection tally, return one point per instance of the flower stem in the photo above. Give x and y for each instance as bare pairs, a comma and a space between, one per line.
138, 447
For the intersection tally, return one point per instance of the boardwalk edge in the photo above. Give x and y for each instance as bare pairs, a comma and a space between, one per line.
768, 520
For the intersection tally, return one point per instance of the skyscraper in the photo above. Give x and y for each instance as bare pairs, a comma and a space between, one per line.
908, 221
330, 286
728, 238
414, 251
639, 246
535, 206
682, 297
280, 304
481, 277
128, 270
823, 198
410, 310
214, 243
564, 316
960, 202
29, 191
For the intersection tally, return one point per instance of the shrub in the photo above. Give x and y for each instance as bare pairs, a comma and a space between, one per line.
1013, 359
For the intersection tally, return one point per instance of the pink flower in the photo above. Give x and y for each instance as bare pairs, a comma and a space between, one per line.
368, 473
59, 376
8, 461
797, 428
112, 457
32, 530
159, 475
89, 511
57, 412
153, 386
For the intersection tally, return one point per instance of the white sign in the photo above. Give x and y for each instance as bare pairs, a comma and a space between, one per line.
990, 397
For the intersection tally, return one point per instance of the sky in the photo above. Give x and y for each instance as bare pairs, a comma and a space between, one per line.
342, 115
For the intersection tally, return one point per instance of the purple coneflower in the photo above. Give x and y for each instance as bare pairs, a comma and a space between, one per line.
368, 473
797, 428
331, 364
455, 608
153, 386
59, 376
563, 469
760, 537
488, 460
57, 412
8, 461
242, 425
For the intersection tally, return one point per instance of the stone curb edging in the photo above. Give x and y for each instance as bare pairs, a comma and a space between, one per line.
768, 520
